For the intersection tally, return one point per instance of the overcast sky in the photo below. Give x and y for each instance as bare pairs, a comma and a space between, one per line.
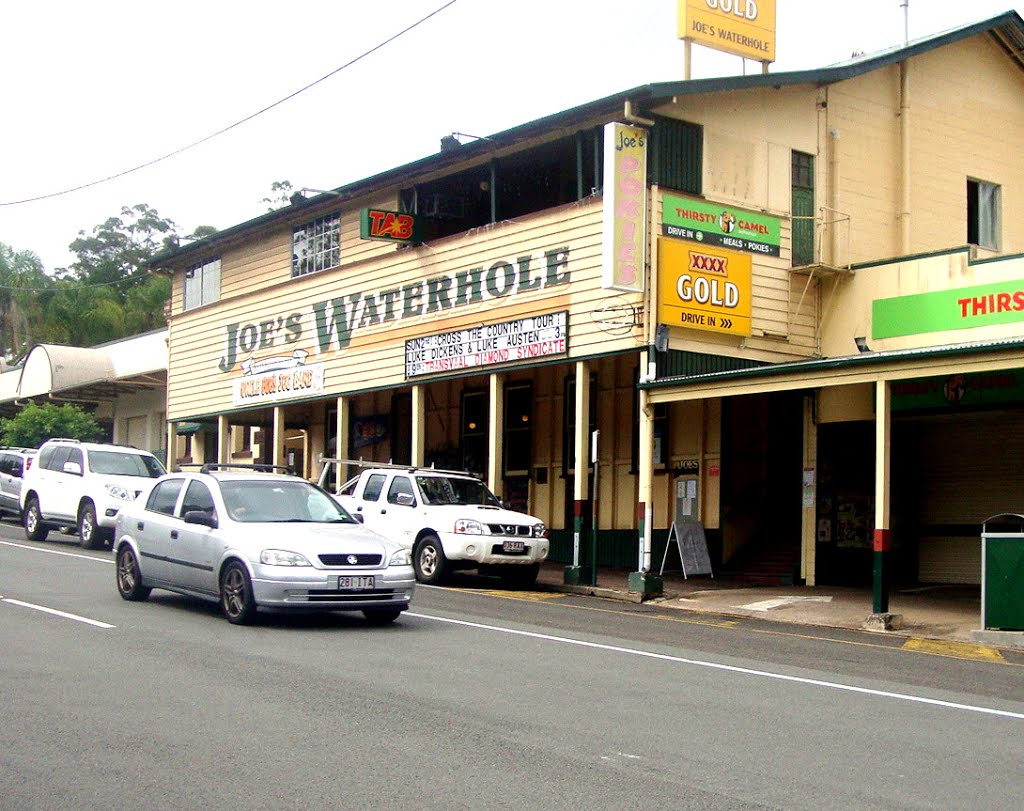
91, 89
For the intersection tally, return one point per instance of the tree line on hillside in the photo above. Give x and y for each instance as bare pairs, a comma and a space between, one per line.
106, 293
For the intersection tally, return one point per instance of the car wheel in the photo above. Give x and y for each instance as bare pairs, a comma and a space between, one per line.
520, 576
236, 598
35, 530
90, 535
129, 577
429, 561
381, 616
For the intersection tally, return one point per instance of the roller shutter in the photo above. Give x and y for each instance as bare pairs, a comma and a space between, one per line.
950, 473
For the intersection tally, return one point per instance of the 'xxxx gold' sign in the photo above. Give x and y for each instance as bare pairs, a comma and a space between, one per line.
703, 287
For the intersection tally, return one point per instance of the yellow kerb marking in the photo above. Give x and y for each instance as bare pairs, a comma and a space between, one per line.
516, 595
956, 650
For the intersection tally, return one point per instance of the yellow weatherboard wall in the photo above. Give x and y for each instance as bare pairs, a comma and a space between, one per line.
703, 287
742, 27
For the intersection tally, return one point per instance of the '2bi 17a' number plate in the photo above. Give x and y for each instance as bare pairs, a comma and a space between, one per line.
356, 583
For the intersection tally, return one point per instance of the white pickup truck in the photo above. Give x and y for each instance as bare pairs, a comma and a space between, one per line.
448, 518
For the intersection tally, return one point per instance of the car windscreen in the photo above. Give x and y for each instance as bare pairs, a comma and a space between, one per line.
252, 501
455, 490
125, 464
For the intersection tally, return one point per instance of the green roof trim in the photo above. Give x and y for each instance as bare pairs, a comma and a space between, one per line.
866, 359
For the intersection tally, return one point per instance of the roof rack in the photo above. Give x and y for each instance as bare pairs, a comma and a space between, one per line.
210, 467
412, 468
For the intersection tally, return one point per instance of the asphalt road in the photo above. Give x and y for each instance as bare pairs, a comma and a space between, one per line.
477, 698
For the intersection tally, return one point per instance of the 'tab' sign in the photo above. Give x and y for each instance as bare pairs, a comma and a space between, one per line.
390, 226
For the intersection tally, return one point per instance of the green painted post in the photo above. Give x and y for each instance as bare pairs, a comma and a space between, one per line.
880, 579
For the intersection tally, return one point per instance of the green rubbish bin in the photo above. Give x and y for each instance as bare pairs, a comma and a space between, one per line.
1002, 572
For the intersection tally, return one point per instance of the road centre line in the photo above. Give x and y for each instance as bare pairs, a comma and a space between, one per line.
57, 613
55, 552
764, 674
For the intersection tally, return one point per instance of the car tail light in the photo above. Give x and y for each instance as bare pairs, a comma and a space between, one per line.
28, 462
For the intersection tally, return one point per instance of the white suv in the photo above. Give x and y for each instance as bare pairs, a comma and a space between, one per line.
83, 484
449, 519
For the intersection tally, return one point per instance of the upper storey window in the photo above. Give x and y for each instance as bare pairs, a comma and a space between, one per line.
983, 214
202, 284
316, 245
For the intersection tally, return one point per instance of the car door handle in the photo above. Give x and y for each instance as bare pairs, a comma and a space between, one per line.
174, 534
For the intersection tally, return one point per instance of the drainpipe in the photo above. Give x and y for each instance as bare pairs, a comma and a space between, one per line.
833, 194
904, 158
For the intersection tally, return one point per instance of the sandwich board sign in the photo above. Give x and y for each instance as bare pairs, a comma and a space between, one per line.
692, 546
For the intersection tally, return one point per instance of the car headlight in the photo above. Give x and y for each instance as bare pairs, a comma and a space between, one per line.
467, 526
540, 531
281, 557
119, 492
403, 557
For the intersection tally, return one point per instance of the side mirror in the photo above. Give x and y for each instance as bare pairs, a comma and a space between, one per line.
74, 468
359, 518
405, 500
201, 517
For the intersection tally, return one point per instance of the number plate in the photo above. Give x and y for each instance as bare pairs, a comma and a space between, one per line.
361, 583
513, 546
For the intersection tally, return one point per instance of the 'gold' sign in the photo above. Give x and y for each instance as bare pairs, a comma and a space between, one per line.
742, 27
703, 287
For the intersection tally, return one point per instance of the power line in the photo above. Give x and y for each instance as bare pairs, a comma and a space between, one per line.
76, 284
230, 127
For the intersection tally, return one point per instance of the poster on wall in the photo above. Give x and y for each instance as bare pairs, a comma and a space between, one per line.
369, 430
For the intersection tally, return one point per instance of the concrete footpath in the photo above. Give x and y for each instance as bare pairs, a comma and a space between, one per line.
951, 613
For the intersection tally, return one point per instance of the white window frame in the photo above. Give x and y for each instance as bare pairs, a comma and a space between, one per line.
201, 285
316, 245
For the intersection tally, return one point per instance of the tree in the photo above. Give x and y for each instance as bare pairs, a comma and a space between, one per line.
119, 249
144, 305
21, 276
80, 315
281, 193
35, 424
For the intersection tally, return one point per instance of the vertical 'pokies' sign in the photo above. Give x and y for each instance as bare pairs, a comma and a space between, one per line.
624, 252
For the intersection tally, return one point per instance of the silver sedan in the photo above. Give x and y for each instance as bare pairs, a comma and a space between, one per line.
251, 539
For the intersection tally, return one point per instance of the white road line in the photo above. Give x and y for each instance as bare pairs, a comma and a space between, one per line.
56, 552
764, 674
57, 613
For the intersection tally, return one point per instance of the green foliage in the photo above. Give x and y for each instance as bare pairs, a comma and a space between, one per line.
35, 424
144, 305
21, 277
281, 192
104, 296
118, 249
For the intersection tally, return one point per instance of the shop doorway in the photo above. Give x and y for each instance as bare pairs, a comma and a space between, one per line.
762, 453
